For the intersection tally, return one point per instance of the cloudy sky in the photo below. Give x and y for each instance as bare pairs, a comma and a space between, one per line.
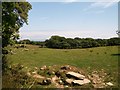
71, 19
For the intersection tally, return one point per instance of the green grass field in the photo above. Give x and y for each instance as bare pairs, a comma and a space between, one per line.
89, 59
95, 58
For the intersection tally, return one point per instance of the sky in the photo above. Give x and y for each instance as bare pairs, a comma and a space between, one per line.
71, 19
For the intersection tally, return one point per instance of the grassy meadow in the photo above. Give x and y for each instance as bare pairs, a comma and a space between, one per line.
94, 58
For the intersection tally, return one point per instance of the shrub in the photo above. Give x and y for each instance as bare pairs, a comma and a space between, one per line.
91, 50
16, 77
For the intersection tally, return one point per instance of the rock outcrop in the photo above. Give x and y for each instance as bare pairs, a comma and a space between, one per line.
68, 76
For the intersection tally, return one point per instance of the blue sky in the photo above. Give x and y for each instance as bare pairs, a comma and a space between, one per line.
71, 19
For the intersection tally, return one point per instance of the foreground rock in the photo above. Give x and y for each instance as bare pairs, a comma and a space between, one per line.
46, 81
86, 81
109, 83
54, 81
78, 82
37, 76
43, 67
75, 75
81, 82
69, 81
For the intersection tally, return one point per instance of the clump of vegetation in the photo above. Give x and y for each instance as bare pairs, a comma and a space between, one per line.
16, 77
91, 50
105, 52
97, 53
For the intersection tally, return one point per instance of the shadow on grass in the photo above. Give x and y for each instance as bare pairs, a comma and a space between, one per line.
118, 54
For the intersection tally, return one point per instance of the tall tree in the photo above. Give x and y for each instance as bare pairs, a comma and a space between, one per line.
14, 15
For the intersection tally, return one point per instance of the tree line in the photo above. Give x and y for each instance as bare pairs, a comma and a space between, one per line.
70, 43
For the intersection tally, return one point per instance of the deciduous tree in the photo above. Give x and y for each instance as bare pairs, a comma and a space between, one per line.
14, 15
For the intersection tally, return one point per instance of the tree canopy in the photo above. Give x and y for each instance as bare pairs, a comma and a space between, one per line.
14, 15
69, 43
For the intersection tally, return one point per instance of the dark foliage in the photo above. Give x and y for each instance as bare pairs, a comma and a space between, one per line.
14, 15
69, 43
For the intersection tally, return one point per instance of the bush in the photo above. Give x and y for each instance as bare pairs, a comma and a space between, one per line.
16, 77
91, 50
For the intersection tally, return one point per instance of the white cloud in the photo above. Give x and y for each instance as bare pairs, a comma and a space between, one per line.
100, 5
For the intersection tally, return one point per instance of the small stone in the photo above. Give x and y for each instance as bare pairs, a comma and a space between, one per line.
28, 73
109, 83
26, 49
35, 72
43, 67
60, 82
36, 68
53, 72
37, 76
69, 81
54, 79
95, 76
46, 82
66, 86
86, 81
